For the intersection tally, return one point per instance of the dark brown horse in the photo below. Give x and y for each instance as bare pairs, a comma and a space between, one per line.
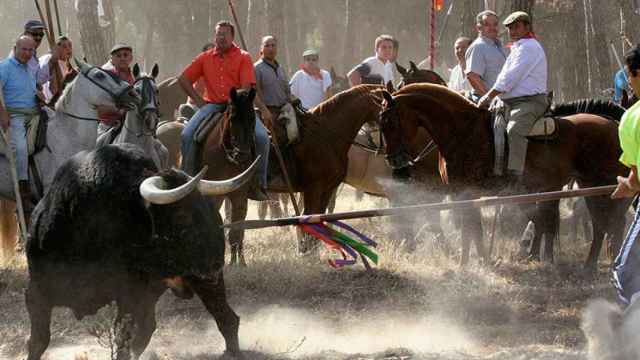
417, 75
586, 150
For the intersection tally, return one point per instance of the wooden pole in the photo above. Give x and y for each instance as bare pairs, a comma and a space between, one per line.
55, 8
464, 204
232, 9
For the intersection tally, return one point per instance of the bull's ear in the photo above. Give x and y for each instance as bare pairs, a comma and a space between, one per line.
401, 69
388, 99
414, 68
390, 87
252, 94
136, 70
233, 94
155, 71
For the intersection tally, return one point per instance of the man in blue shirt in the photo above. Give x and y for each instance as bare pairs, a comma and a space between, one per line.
17, 106
620, 83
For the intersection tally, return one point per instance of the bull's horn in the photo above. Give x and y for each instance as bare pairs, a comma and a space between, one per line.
154, 189
208, 187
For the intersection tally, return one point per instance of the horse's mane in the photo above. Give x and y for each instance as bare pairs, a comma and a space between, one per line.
65, 96
346, 95
604, 108
438, 92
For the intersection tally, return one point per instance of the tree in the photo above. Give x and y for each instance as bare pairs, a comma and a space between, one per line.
91, 35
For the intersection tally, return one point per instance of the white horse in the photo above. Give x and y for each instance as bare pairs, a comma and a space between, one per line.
140, 123
72, 129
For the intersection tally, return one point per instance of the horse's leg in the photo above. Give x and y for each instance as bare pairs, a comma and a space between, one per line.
236, 236
549, 214
598, 211
8, 228
331, 206
262, 210
471, 230
315, 202
40, 318
275, 207
213, 296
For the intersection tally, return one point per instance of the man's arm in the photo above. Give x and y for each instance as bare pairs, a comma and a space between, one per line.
187, 86
4, 115
627, 186
476, 83
267, 119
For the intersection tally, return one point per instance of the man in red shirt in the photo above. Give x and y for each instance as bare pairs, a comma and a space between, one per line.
224, 67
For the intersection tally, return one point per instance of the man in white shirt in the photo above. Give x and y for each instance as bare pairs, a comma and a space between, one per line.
522, 85
310, 84
377, 69
458, 80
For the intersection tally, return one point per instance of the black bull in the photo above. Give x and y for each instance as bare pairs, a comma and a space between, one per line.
95, 240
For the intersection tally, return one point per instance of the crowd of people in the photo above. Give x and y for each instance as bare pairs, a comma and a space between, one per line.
486, 69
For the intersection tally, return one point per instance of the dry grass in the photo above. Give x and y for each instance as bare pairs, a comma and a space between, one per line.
412, 306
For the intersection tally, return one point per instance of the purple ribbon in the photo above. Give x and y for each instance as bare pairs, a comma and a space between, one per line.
362, 237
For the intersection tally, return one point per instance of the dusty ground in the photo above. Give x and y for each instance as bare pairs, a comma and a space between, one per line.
418, 306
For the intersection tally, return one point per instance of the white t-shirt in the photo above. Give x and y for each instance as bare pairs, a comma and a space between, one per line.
309, 90
373, 66
458, 81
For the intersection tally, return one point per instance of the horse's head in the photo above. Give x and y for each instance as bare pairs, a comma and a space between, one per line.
96, 86
338, 83
394, 130
241, 124
416, 75
148, 112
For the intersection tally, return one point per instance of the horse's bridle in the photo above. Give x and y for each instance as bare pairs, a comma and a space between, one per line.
115, 96
149, 106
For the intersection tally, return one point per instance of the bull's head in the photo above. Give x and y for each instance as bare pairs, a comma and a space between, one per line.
156, 191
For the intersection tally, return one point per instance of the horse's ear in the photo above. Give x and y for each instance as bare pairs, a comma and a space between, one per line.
401, 69
233, 94
82, 65
155, 71
136, 70
388, 99
414, 68
390, 87
252, 94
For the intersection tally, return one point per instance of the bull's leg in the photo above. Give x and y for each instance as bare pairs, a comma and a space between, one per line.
236, 236
124, 330
144, 318
213, 296
40, 317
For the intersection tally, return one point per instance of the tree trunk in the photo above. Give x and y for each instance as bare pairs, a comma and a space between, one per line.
470, 10
523, 5
91, 35
349, 57
603, 62
573, 59
109, 30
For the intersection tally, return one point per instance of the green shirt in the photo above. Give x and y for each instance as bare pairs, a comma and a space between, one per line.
629, 133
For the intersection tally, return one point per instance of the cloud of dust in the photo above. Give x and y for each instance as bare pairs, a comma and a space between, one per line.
611, 334
278, 329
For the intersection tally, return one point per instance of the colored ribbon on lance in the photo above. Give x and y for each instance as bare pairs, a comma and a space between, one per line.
348, 247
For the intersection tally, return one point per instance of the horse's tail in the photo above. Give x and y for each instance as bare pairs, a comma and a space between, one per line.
604, 108
8, 229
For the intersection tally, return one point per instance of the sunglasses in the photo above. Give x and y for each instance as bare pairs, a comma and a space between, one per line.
36, 34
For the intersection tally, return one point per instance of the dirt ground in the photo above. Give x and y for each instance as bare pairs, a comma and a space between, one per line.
412, 306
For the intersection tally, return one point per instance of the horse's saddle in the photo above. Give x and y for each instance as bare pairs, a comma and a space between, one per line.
36, 125
289, 120
205, 127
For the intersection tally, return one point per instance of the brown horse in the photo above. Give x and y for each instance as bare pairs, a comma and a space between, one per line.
586, 150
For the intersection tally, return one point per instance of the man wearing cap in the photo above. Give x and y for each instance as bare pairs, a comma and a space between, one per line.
224, 67
485, 56
17, 105
522, 85
310, 83
377, 69
120, 65
457, 80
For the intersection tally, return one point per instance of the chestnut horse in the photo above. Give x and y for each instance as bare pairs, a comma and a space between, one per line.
586, 149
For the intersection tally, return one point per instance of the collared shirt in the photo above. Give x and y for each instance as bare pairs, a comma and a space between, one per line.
620, 83
525, 71
273, 83
221, 72
458, 81
123, 75
629, 134
41, 74
18, 84
311, 91
373, 70
485, 58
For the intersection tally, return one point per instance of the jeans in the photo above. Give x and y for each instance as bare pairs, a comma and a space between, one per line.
261, 137
19, 143
626, 268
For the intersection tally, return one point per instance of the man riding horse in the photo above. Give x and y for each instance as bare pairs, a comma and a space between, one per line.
522, 85
224, 67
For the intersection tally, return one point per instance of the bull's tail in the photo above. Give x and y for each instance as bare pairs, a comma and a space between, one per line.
8, 229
